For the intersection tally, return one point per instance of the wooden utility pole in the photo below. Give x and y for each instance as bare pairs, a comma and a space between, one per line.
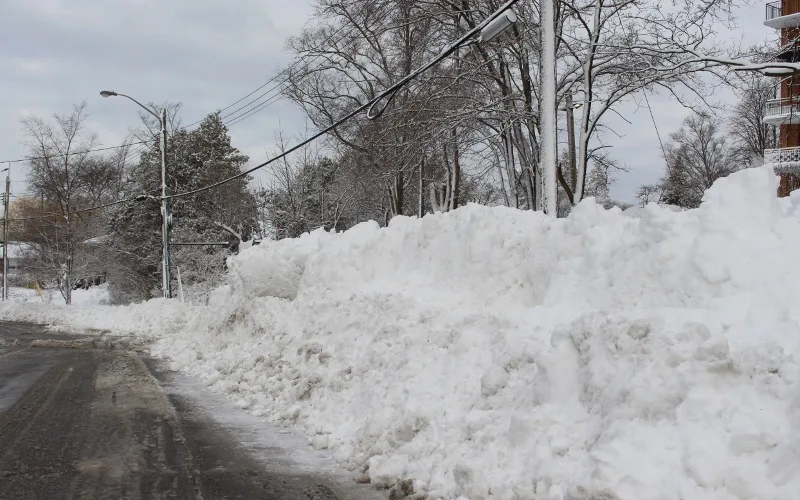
548, 107
573, 167
5, 232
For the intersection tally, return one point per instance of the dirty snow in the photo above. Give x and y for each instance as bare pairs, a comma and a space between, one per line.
490, 353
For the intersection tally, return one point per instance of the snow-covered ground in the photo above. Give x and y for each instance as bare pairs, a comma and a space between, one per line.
494, 353
94, 296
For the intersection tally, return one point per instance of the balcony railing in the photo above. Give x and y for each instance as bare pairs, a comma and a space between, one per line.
773, 10
783, 160
782, 15
783, 108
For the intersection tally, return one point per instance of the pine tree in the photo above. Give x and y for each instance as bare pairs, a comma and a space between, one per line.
195, 159
677, 188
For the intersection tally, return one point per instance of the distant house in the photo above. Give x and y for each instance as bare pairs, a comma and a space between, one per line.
16, 253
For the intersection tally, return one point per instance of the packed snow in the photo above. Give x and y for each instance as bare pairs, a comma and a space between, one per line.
491, 353
93, 296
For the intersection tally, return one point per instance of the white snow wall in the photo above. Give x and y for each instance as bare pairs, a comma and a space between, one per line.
495, 353
742, 240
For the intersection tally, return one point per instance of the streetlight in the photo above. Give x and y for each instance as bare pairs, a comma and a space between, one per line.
5, 231
548, 106
497, 26
165, 277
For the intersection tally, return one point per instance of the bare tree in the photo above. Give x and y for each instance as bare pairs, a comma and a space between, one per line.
482, 104
751, 134
69, 179
360, 49
698, 155
649, 193
615, 50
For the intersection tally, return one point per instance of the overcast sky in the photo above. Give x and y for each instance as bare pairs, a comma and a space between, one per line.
208, 54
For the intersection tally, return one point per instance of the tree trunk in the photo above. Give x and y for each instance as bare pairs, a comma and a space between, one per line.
396, 195
456, 184
573, 167
511, 173
421, 207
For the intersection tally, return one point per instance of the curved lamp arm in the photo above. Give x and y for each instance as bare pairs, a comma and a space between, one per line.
111, 93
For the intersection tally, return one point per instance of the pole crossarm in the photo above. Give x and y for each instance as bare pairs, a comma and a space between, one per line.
200, 243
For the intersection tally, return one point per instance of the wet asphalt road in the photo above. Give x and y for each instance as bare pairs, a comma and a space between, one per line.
90, 420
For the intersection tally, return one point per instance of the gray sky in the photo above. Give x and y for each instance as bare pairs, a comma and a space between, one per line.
208, 54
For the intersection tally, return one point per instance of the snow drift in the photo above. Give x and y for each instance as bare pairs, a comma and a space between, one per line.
148, 318
494, 353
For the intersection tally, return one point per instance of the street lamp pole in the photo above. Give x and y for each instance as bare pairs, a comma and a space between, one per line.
165, 215
166, 284
548, 118
6, 203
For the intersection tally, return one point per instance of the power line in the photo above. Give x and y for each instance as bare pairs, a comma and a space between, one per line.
368, 106
275, 90
248, 114
273, 79
46, 157
243, 98
387, 94
81, 211
270, 100
141, 145
251, 102
658, 134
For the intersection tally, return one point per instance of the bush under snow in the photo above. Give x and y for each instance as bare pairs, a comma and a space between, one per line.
495, 353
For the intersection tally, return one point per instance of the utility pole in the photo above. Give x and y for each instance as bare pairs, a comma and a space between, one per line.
165, 217
550, 146
420, 201
5, 232
180, 285
573, 167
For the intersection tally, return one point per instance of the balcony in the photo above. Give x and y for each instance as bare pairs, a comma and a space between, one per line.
783, 160
775, 18
782, 111
789, 53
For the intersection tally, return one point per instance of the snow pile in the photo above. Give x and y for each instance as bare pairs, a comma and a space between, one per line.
491, 353
94, 296
276, 272
638, 211
154, 317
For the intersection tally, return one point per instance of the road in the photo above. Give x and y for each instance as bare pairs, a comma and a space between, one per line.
83, 418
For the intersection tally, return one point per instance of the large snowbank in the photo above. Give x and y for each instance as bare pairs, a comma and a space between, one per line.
94, 296
494, 353
90, 312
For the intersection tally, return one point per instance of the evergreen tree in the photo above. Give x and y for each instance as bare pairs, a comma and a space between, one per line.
676, 185
195, 159
310, 196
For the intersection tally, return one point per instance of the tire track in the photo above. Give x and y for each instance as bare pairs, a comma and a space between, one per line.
42, 432
136, 448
